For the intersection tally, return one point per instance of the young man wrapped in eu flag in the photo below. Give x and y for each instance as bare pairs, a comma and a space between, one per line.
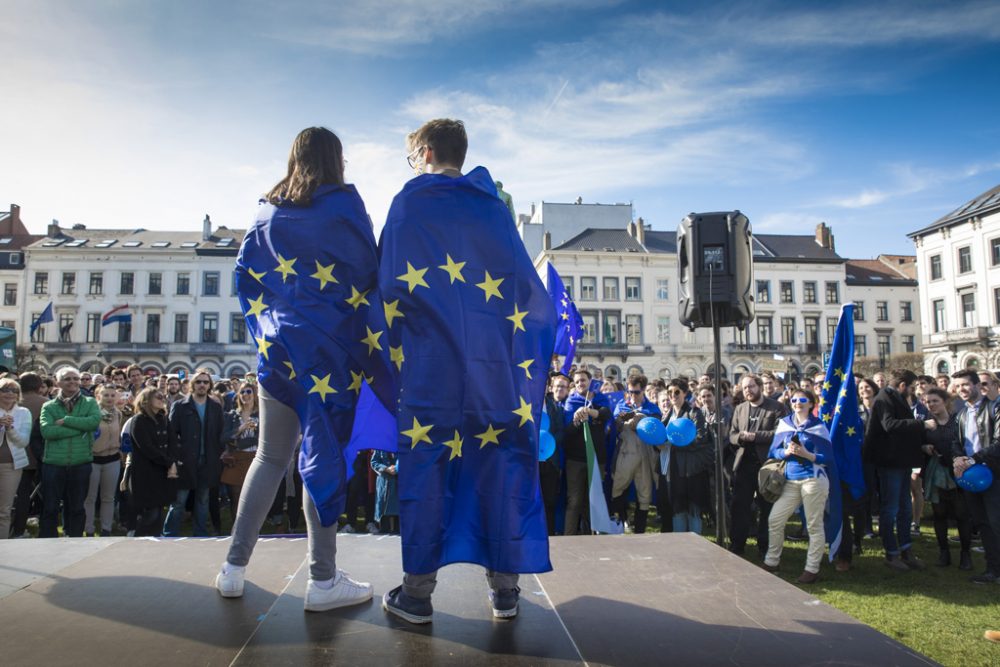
470, 329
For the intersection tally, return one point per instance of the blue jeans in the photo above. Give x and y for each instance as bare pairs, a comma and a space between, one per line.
67, 485
175, 515
895, 509
688, 521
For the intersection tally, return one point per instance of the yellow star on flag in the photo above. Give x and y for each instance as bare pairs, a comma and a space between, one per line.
256, 275
371, 340
826, 386
822, 401
518, 318
357, 298
851, 431
391, 311
837, 410
524, 412
413, 277
324, 274
257, 306
839, 373
396, 356
827, 417
456, 446
356, 379
291, 370
843, 392
418, 433
565, 315
488, 436
454, 269
490, 287
321, 386
285, 267
525, 365
262, 345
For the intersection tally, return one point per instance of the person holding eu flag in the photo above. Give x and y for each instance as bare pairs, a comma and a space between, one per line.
306, 277
470, 331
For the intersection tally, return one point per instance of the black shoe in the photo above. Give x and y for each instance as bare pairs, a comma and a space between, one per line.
984, 578
912, 561
965, 561
944, 558
414, 610
736, 550
896, 563
504, 602
105, 533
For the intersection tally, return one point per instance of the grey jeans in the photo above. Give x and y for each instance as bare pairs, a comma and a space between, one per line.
421, 586
279, 433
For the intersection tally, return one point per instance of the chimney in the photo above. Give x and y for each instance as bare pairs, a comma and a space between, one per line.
15, 215
579, 200
206, 231
824, 236
640, 232
54, 230
547, 241
532, 209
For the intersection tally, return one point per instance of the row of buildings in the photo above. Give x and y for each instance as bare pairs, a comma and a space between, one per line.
943, 302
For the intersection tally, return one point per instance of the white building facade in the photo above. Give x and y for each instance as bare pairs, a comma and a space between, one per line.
886, 307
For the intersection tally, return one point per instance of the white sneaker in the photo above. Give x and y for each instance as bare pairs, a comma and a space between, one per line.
372, 528
344, 592
348, 528
229, 581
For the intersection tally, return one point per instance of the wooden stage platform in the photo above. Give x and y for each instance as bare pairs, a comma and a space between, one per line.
626, 600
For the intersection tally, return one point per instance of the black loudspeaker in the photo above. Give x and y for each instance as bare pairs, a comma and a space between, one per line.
715, 261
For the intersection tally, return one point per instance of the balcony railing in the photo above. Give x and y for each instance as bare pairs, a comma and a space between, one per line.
967, 335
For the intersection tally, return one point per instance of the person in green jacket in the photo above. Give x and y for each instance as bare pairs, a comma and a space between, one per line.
67, 423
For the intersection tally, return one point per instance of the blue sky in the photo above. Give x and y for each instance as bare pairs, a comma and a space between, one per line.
877, 118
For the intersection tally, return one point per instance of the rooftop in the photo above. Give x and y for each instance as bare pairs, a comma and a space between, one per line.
876, 272
985, 204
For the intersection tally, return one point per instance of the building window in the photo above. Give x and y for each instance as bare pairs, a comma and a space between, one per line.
8, 324
969, 309
939, 320
809, 291
882, 311
612, 328
909, 344
209, 328
788, 331
906, 311
662, 289
936, 272
996, 304
96, 283
995, 252
156, 283
610, 289
568, 284
663, 328
128, 283
765, 332
124, 332
153, 328
237, 328
884, 347
812, 333
965, 259
763, 291
65, 327
589, 325
787, 291
633, 289
831, 330
859, 311
860, 346
68, 283
232, 290
181, 328
39, 335
10, 294
210, 284
832, 292
41, 282
183, 284
588, 289
93, 327
633, 329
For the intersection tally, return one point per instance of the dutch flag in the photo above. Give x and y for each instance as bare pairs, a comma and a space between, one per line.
117, 314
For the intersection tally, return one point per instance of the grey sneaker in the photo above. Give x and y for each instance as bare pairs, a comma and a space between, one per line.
504, 602
372, 528
348, 528
413, 610
896, 563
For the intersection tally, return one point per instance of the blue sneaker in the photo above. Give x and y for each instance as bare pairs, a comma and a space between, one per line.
413, 610
504, 602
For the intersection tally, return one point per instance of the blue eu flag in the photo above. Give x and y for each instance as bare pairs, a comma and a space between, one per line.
470, 331
838, 408
569, 322
307, 282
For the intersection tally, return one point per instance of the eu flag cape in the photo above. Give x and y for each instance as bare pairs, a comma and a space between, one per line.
470, 332
307, 282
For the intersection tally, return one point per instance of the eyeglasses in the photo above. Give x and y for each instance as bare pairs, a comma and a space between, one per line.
159, 397
202, 382
635, 392
8, 390
70, 379
411, 159
798, 399
246, 392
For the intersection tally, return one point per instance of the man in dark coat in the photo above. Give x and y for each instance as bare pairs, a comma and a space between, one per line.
893, 442
195, 432
751, 433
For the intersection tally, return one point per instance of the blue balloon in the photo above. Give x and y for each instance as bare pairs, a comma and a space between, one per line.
651, 431
976, 479
681, 432
546, 445
545, 420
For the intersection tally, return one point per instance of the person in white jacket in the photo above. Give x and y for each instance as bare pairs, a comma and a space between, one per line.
15, 431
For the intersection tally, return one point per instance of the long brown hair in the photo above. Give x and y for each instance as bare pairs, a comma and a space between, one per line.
316, 158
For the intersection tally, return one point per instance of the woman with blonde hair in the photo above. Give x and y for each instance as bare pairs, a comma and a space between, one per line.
241, 436
107, 462
15, 431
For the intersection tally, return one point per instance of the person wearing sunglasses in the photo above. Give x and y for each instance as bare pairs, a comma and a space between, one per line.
241, 437
803, 442
634, 459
